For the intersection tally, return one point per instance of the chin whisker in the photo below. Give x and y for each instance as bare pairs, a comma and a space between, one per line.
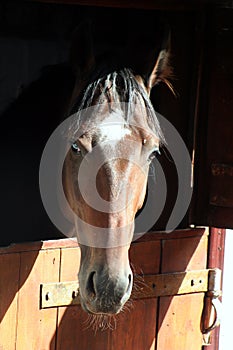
128, 306
100, 322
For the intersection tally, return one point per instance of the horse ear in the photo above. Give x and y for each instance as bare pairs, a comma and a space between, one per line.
82, 57
161, 70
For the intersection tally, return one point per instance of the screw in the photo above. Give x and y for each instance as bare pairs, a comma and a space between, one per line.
47, 296
75, 294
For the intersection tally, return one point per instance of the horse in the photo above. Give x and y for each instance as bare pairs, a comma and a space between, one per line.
114, 135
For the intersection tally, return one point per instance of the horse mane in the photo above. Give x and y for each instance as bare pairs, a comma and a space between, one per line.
117, 85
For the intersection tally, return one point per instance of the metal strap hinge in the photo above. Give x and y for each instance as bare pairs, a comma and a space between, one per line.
148, 286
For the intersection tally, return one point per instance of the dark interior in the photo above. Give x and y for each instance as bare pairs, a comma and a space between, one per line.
36, 82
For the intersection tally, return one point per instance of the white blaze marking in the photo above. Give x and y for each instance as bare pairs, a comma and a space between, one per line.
113, 127
113, 132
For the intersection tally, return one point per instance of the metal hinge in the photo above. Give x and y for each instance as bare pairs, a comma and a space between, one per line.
67, 293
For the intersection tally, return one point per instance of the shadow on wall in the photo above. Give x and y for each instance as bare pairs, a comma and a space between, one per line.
15, 267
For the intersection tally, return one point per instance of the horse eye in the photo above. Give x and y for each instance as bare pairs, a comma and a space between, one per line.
75, 148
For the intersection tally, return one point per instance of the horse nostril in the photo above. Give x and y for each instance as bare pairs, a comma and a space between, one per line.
91, 286
130, 282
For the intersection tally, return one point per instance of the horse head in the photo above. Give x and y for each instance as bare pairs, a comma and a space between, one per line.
113, 139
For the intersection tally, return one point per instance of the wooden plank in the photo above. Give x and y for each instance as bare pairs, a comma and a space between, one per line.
72, 242
184, 233
9, 286
41, 245
179, 322
36, 327
140, 263
21, 247
180, 316
70, 262
184, 254
135, 328
215, 259
70, 320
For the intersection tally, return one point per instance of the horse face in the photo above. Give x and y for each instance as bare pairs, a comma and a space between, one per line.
105, 180
105, 175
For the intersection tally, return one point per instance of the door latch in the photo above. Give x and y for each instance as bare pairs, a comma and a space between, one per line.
211, 315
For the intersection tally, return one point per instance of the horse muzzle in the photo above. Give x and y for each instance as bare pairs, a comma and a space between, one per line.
105, 293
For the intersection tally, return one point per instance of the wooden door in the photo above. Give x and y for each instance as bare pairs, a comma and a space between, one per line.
146, 323
213, 202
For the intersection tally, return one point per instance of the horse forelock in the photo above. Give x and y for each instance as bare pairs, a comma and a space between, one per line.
117, 87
